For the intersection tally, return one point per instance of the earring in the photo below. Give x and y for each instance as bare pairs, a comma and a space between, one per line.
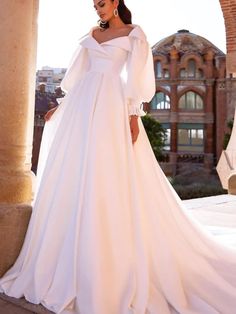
115, 12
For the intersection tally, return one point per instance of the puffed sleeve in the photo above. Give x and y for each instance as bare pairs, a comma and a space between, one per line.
76, 69
140, 84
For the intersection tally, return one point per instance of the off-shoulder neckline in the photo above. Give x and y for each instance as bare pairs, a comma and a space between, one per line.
118, 37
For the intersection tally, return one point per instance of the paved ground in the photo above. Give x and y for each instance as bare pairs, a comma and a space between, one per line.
217, 213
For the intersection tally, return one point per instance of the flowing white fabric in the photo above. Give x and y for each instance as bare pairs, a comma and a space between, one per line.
226, 166
108, 234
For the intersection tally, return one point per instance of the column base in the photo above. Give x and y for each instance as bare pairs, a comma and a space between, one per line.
173, 163
232, 184
208, 162
14, 220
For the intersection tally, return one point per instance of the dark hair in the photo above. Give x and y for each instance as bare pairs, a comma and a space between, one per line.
124, 14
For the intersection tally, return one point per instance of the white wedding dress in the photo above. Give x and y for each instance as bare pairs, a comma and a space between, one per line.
108, 234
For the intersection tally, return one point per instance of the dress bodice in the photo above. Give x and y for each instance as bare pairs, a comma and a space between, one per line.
114, 64
109, 56
128, 58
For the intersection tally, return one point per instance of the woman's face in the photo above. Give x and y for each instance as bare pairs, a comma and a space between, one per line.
105, 8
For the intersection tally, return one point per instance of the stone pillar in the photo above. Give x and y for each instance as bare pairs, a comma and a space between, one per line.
209, 110
173, 148
174, 57
221, 105
229, 11
18, 33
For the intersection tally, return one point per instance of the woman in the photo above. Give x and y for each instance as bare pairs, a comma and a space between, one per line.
98, 241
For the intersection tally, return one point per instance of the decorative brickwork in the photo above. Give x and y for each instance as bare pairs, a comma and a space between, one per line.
229, 12
191, 96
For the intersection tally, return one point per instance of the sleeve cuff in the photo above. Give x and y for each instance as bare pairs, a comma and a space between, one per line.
134, 109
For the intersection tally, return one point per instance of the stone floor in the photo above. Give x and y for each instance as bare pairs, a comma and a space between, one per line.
217, 213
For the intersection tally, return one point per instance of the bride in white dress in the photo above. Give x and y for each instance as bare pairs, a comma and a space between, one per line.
100, 240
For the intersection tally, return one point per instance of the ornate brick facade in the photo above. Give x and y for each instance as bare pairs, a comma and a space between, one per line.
191, 96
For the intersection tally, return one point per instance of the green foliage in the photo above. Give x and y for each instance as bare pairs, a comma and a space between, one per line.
230, 124
226, 140
197, 190
197, 183
156, 134
227, 135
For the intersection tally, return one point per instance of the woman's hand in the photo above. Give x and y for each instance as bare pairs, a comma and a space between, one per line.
49, 113
134, 128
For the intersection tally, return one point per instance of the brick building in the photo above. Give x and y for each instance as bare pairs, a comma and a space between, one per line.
51, 77
191, 98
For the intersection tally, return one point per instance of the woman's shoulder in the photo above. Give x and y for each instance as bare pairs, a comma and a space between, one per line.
138, 32
96, 27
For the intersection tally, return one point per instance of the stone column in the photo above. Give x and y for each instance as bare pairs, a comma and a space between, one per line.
174, 57
209, 127
18, 33
221, 105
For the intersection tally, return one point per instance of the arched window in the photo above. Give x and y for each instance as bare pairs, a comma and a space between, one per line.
191, 68
191, 101
158, 69
183, 73
160, 101
166, 74
191, 71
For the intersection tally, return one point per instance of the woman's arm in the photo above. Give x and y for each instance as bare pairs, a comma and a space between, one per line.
140, 84
134, 128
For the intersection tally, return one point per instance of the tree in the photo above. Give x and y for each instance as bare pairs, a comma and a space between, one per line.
156, 135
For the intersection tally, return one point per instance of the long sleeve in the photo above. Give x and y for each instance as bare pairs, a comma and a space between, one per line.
140, 85
76, 69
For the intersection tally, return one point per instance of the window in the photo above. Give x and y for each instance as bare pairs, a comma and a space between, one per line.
191, 68
166, 126
166, 74
191, 101
160, 101
183, 73
158, 69
191, 71
190, 138
199, 73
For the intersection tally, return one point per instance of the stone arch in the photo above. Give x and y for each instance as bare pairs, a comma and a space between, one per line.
191, 56
229, 12
164, 64
162, 58
191, 89
183, 65
163, 90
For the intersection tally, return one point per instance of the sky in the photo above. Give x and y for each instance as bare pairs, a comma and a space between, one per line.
62, 22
